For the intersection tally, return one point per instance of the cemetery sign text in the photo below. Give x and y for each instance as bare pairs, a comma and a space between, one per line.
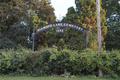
60, 24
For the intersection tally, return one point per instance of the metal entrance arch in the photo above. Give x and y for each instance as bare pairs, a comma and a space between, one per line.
59, 24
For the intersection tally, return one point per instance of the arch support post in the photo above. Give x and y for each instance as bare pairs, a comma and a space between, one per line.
33, 38
86, 36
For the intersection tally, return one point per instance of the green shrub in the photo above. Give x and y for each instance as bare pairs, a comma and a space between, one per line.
38, 63
13, 61
74, 62
109, 62
61, 59
4, 62
50, 60
84, 63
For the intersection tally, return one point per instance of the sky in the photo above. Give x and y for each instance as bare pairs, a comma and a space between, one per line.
61, 7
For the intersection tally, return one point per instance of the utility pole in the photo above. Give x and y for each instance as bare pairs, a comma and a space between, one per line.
99, 32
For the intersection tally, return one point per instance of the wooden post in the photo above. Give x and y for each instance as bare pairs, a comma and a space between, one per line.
99, 32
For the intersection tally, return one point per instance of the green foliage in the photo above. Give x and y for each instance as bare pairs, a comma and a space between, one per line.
61, 44
73, 40
16, 24
38, 63
62, 58
85, 14
5, 42
51, 61
112, 37
13, 61
112, 11
85, 63
113, 19
35, 20
109, 63
75, 63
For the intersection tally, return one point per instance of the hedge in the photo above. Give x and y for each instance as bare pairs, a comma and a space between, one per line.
50, 61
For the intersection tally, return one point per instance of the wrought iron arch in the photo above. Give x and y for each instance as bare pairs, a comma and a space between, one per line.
59, 24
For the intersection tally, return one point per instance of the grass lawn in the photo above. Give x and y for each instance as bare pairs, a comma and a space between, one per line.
50, 78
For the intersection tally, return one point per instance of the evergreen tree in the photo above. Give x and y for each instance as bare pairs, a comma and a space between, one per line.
75, 38
85, 14
71, 38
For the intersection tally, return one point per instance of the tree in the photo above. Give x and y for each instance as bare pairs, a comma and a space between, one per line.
70, 38
46, 11
15, 19
113, 18
10, 13
76, 39
86, 14
112, 39
46, 14
112, 11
